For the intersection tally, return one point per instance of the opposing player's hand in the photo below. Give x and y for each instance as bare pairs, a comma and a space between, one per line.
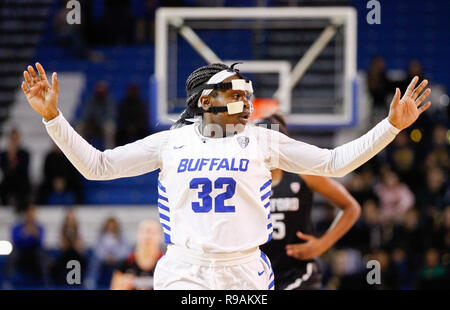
311, 248
405, 111
41, 96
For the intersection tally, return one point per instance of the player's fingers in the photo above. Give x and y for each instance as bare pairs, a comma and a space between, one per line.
27, 78
396, 98
55, 83
411, 86
290, 250
303, 236
424, 107
33, 74
422, 97
42, 74
25, 88
419, 89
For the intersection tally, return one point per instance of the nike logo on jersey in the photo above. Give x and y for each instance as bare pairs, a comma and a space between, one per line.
260, 273
178, 147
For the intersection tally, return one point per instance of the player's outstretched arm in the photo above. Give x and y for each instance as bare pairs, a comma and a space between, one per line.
351, 210
298, 157
129, 160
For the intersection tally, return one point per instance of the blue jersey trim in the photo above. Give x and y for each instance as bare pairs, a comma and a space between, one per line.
161, 187
160, 205
167, 238
163, 198
265, 185
164, 217
263, 197
165, 226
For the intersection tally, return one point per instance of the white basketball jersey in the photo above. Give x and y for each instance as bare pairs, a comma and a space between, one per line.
214, 193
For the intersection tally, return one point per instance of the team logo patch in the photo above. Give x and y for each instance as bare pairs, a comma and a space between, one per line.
295, 187
243, 141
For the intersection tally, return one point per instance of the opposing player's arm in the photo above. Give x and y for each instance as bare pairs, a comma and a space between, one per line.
129, 160
298, 157
338, 195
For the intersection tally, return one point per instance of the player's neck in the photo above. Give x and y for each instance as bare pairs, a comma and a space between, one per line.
217, 131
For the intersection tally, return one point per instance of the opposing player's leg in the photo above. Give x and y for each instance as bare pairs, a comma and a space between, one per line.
308, 277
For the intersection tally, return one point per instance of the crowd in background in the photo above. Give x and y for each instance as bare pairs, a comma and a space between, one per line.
31, 265
102, 122
405, 196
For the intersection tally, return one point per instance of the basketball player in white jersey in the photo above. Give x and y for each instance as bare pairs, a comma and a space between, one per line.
214, 180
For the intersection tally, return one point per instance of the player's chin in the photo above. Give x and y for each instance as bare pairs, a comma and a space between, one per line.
242, 119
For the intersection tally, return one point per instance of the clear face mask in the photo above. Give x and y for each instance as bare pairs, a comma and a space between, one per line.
236, 107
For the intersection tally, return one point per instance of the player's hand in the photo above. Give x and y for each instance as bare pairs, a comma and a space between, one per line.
311, 248
41, 96
405, 111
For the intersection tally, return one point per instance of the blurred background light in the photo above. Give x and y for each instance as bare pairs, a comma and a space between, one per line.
5, 247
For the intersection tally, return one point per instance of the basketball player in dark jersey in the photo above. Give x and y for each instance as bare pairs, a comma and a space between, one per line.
293, 249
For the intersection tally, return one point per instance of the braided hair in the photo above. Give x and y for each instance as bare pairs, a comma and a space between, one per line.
197, 78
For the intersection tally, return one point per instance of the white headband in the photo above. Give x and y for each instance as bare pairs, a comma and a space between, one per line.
216, 78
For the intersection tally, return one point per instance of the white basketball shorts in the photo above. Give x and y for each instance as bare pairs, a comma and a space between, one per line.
183, 269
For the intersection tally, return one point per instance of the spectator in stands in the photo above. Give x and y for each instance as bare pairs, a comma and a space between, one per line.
432, 194
136, 272
97, 122
402, 278
441, 238
70, 36
346, 270
361, 184
14, 162
110, 250
62, 182
366, 234
395, 197
132, 117
432, 275
402, 157
415, 68
144, 16
439, 150
379, 86
411, 235
118, 21
388, 279
71, 248
27, 262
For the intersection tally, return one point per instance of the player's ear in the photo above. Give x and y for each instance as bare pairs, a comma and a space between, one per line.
205, 102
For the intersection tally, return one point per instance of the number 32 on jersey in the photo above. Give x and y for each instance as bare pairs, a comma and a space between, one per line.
206, 186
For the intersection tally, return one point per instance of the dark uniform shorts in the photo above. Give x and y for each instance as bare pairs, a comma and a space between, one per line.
308, 277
